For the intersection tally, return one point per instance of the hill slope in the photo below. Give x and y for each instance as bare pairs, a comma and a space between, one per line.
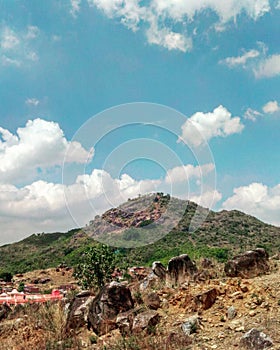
221, 235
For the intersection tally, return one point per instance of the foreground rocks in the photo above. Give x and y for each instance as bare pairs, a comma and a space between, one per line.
113, 299
249, 264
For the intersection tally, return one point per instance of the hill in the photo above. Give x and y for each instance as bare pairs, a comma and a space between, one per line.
133, 224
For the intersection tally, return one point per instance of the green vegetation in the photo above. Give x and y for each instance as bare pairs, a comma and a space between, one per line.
96, 266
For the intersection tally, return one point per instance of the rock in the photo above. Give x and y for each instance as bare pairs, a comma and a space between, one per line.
159, 270
180, 270
255, 340
113, 299
179, 339
124, 320
4, 311
249, 264
146, 320
206, 299
149, 282
78, 311
152, 300
231, 312
191, 325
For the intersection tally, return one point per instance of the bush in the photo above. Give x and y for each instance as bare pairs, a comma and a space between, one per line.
96, 266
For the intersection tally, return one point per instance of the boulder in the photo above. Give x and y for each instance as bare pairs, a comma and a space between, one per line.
113, 299
159, 270
191, 325
205, 300
255, 340
146, 320
152, 300
124, 320
206, 263
180, 269
78, 311
249, 264
149, 282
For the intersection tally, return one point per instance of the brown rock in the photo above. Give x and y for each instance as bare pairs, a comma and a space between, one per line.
250, 264
180, 270
159, 270
145, 321
113, 299
255, 340
152, 300
206, 299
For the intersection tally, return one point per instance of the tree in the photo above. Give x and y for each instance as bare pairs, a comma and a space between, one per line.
96, 266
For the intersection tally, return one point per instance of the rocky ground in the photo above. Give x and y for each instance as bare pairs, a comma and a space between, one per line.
207, 311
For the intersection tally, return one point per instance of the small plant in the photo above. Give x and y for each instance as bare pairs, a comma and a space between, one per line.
21, 287
93, 339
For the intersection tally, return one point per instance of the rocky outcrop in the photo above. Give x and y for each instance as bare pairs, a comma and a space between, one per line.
180, 269
159, 270
255, 340
113, 299
250, 264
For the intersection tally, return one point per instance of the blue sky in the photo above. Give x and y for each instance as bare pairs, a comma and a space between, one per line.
215, 65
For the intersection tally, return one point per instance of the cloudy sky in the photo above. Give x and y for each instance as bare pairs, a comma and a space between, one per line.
208, 72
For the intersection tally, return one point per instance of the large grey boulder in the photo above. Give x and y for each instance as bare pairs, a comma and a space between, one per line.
180, 270
78, 310
249, 264
113, 299
255, 340
159, 270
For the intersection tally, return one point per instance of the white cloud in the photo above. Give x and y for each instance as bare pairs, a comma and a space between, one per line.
268, 67
240, 60
44, 203
258, 200
32, 102
207, 199
75, 7
271, 107
160, 17
40, 144
201, 127
185, 172
251, 114
16, 47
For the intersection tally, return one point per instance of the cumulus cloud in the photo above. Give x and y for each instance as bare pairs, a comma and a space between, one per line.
240, 60
268, 67
185, 172
271, 107
45, 204
201, 127
252, 114
75, 7
16, 47
160, 17
258, 200
40, 144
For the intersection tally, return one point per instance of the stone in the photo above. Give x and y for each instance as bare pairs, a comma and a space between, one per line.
125, 320
159, 270
231, 312
248, 265
190, 326
255, 340
180, 270
78, 311
152, 300
112, 299
146, 320
206, 299
149, 282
